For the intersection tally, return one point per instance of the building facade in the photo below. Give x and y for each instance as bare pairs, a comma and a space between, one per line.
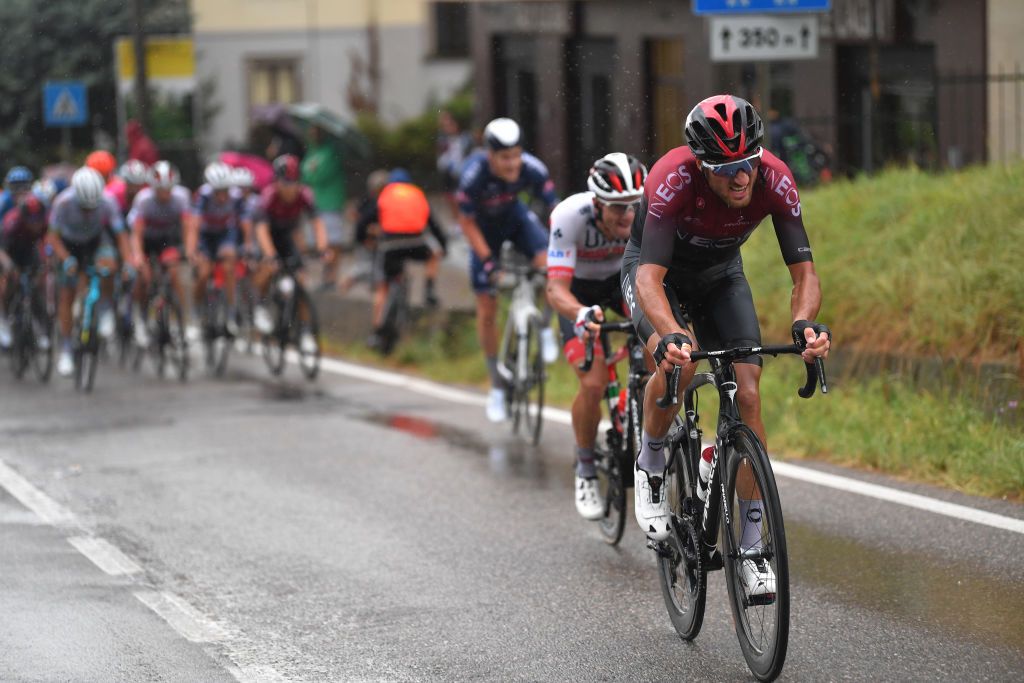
389, 56
893, 81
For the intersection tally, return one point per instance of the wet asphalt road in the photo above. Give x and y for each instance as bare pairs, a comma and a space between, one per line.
346, 530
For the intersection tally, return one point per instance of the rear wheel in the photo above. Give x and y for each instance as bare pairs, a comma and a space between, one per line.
761, 611
611, 483
680, 564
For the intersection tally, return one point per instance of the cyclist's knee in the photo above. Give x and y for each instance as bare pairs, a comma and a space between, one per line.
592, 387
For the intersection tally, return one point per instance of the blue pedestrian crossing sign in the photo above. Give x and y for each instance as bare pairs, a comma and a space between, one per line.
65, 104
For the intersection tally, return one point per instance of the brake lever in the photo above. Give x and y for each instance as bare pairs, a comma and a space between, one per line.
671, 396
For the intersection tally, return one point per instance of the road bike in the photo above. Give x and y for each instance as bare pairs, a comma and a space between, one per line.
124, 304
395, 315
520, 358
31, 328
217, 339
295, 323
614, 462
166, 323
707, 526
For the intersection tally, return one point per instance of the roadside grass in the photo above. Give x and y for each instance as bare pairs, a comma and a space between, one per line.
911, 263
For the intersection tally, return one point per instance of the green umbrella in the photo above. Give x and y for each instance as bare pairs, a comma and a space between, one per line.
312, 113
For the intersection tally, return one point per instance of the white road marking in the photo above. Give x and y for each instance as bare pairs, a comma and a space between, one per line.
105, 555
785, 469
49, 510
183, 617
886, 493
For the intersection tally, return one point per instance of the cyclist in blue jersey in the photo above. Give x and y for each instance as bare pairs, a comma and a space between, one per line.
17, 183
490, 214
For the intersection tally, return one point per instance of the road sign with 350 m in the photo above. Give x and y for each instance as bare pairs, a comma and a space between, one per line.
757, 38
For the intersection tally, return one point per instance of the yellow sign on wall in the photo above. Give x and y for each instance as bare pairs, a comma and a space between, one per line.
166, 57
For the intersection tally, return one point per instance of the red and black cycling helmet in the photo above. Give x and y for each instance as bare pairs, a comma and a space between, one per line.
723, 128
286, 168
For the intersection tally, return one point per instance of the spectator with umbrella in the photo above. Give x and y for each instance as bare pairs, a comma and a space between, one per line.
323, 172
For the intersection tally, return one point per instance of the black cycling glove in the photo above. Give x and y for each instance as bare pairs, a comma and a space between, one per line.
800, 325
677, 338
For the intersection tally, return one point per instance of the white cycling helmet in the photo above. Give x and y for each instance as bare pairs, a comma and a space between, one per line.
243, 177
134, 172
88, 184
501, 134
219, 176
163, 176
617, 178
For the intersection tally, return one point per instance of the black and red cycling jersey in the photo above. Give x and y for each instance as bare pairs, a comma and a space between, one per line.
281, 215
684, 226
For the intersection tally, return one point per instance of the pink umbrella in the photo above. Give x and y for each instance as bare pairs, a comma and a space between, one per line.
262, 170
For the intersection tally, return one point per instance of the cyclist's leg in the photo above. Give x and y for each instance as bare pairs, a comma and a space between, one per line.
487, 303
206, 251
227, 254
387, 265
586, 406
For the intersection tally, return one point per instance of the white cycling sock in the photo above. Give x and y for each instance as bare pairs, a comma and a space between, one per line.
585, 463
752, 513
652, 454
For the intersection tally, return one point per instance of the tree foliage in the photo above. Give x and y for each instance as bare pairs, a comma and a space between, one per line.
65, 40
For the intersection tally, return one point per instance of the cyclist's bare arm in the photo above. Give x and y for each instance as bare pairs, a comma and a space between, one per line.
561, 298
124, 246
137, 228
263, 237
650, 294
805, 304
58, 245
190, 222
474, 236
320, 232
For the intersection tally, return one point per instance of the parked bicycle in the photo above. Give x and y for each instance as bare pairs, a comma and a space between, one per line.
615, 461
520, 360
707, 525
85, 332
32, 328
295, 323
165, 323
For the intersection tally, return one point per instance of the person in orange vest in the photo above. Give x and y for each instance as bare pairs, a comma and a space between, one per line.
405, 230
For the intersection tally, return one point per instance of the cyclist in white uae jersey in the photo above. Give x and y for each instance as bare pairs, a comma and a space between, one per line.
589, 232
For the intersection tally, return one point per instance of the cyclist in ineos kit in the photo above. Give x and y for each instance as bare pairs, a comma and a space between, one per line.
701, 203
589, 231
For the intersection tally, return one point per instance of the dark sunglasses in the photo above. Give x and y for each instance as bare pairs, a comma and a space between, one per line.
730, 168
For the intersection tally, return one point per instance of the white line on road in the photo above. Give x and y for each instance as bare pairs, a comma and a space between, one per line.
183, 617
899, 497
49, 510
104, 555
785, 469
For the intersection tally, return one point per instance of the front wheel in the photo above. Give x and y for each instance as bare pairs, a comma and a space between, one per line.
308, 326
612, 484
684, 578
532, 394
756, 563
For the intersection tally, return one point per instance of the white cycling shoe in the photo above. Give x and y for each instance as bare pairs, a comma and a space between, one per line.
262, 320
650, 505
106, 324
141, 334
65, 363
548, 345
758, 581
589, 501
496, 405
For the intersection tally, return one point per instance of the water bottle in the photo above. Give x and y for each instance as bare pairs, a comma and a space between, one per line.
704, 472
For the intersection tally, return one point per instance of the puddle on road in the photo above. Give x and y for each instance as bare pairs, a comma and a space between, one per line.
952, 596
510, 457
